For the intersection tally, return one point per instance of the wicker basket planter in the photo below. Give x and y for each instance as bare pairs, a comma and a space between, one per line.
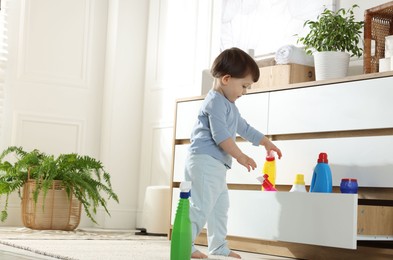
56, 211
54, 187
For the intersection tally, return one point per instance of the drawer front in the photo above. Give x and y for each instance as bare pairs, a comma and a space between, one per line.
348, 158
309, 218
368, 159
343, 106
254, 109
238, 174
186, 116
180, 159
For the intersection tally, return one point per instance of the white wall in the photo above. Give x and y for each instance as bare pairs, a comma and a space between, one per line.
179, 47
122, 106
75, 81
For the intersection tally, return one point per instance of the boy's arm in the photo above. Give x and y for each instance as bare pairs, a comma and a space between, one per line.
256, 137
229, 146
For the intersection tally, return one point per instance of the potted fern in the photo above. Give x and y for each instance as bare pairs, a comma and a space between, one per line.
54, 187
333, 38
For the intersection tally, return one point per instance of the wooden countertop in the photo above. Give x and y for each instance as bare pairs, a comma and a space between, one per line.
306, 84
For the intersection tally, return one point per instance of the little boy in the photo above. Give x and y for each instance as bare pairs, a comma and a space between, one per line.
213, 146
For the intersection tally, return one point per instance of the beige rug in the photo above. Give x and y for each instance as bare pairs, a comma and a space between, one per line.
96, 244
94, 249
86, 243
78, 234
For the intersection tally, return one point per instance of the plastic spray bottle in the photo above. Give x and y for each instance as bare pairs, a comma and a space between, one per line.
322, 176
266, 184
181, 241
269, 168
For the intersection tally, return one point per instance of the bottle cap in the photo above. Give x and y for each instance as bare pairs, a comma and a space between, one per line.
185, 186
299, 179
349, 179
185, 195
323, 158
270, 157
185, 189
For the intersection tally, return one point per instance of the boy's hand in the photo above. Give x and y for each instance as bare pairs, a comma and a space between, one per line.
247, 162
269, 146
230, 147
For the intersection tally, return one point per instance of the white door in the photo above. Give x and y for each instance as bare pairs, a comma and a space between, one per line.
55, 74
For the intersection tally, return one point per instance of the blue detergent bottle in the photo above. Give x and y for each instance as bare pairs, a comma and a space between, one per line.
322, 176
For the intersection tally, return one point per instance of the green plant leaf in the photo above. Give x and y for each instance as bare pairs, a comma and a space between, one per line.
334, 31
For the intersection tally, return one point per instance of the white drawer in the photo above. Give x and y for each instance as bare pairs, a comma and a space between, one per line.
180, 159
353, 105
254, 109
186, 116
256, 114
368, 159
310, 218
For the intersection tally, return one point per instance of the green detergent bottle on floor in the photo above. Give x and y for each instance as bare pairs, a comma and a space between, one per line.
181, 241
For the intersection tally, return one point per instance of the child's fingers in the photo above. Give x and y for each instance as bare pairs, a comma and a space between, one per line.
252, 164
248, 168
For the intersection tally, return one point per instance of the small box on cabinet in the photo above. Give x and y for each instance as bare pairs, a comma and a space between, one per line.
274, 77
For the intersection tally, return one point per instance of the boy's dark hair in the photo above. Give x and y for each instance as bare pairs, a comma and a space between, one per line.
236, 63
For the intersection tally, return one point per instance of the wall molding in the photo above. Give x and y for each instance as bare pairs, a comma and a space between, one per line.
22, 122
27, 44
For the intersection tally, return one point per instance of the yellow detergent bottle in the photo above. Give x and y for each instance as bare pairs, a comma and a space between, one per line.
269, 168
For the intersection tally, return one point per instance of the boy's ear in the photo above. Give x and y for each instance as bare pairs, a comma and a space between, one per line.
225, 79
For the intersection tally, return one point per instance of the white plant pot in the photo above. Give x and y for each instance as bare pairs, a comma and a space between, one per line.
331, 65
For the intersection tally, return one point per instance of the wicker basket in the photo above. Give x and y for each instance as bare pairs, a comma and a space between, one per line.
378, 23
56, 212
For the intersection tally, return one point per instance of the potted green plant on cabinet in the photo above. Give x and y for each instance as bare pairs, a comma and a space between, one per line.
54, 188
333, 38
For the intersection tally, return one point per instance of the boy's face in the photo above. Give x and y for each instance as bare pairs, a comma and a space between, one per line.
233, 88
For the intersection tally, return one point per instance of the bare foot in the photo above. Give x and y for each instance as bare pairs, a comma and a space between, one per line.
199, 255
234, 255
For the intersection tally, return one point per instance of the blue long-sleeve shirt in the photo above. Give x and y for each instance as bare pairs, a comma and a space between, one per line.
218, 120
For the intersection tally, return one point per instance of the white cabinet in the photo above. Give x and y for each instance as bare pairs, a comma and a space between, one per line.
351, 120
364, 104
